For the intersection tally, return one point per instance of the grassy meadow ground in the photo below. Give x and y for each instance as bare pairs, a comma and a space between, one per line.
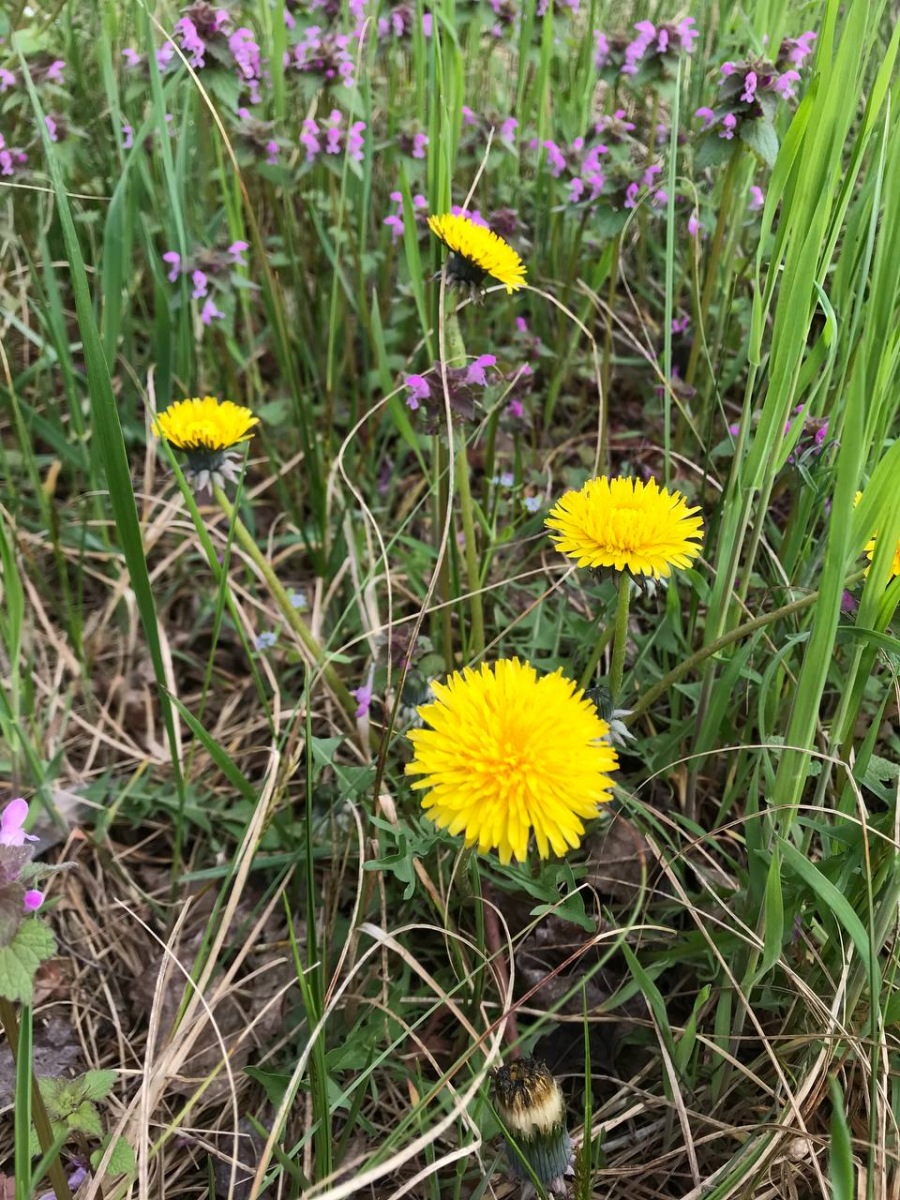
301, 985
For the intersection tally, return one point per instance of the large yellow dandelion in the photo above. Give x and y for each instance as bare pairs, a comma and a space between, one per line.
207, 424
869, 548
509, 752
628, 525
476, 251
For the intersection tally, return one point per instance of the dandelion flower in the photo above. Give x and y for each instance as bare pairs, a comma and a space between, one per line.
530, 1103
206, 430
476, 251
869, 548
509, 752
628, 525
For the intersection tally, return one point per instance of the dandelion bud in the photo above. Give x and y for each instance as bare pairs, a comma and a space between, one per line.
530, 1104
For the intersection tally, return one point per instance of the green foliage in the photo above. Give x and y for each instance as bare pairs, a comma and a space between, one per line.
32, 944
71, 1106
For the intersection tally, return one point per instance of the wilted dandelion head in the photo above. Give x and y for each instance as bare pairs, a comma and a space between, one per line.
476, 251
628, 525
509, 753
530, 1104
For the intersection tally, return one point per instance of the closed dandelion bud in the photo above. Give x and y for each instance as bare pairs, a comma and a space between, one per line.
531, 1106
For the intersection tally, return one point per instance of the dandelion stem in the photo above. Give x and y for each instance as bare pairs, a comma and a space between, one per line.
712, 267
38, 1111
621, 636
281, 598
607, 347
734, 635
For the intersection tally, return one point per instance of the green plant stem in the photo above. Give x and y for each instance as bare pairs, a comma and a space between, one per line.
727, 639
617, 667
606, 369
38, 1112
712, 267
281, 598
467, 508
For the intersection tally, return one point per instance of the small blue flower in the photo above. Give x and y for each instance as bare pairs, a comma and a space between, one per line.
298, 600
265, 641
532, 503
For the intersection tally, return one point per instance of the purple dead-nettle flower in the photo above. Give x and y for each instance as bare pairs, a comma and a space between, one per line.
419, 390
576, 189
419, 143
363, 697
310, 139
796, 50
332, 127
750, 82
12, 821
201, 284
757, 198
54, 73
556, 160
326, 55
236, 252
707, 116
476, 370
427, 24
51, 128
356, 141
784, 84
7, 79
165, 55
695, 225
173, 258
132, 58
473, 214
681, 324
246, 53
729, 121
127, 137
32, 900
654, 44
508, 128
209, 312
515, 409
602, 49
631, 195
191, 42
734, 429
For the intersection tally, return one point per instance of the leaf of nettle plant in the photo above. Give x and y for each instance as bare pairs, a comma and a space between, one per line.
31, 944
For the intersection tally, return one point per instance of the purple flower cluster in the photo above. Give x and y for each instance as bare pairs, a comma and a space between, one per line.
395, 220
10, 159
654, 48
329, 136
204, 29
207, 269
400, 22
751, 90
13, 836
259, 136
413, 144
812, 440
323, 53
461, 384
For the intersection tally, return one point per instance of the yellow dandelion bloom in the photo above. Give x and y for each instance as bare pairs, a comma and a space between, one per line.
869, 548
626, 524
207, 424
476, 251
509, 752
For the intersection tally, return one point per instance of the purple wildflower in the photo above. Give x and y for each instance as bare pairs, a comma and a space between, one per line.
419, 390
681, 324
12, 819
355, 141
515, 409
201, 284
333, 132
555, 158
363, 697
601, 50
173, 258
236, 250
54, 73
757, 198
191, 42
246, 53
419, 142
631, 195
734, 429
127, 137
132, 58
508, 128
796, 50
272, 152
33, 900
728, 123
783, 85
209, 312
51, 128
750, 82
165, 55
310, 139
469, 118
475, 373
707, 115
695, 225
7, 79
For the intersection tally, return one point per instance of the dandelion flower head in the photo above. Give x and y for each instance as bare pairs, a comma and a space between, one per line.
508, 753
628, 525
207, 424
869, 548
476, 251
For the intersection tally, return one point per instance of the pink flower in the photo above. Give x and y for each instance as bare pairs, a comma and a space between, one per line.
33, 900
420, 141
363, 696
473, 214
272, 152
757, 198
508, 128
51, 128
12, 819
749, 91
734, 429
395, 223
601, 49
469, 118
427, 24
246, 53
54, 73
695, 225
728, 68
576, 189
128, 137
191, 41
201, 284
209, 312
707, 116
521, 325
165, 55
681, 325
515, 409
333, 133
236, 250
475, 373
173, 258
636, 50
555, 158
798, 48
728, 122
687, 34
309, 138
783, 84
419, 390
355, 140
631, 195
7, 79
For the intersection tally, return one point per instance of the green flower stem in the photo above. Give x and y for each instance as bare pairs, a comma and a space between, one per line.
456, 355
712, 267
606, 370
735, 635
617, 668
39, 1116
281, 598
